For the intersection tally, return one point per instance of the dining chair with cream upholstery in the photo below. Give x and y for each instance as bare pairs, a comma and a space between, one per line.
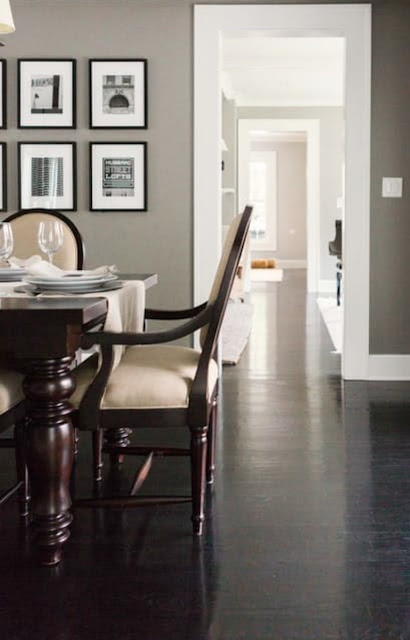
160, 385
25, 224
12, 412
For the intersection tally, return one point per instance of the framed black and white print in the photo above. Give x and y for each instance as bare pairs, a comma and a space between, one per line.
47, 175
118, 176
46, 94
3, 96
3, 176
118, 94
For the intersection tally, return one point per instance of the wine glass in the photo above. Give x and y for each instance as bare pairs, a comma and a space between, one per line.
6, 240
50, 237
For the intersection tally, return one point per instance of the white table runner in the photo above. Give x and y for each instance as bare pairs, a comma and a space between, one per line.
126, 306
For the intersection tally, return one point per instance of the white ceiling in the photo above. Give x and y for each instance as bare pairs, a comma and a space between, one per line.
269, 71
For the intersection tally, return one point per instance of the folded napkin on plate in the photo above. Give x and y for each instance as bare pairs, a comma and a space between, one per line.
23, 264
44, 268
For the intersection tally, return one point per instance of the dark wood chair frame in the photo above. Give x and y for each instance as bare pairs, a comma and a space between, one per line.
64, 219
201, 414
16, 416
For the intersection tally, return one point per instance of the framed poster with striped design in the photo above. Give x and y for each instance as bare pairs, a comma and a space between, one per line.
47, 175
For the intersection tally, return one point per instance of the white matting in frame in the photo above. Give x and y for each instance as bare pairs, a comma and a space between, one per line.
47, 175
47, 93
118, 176
118, 94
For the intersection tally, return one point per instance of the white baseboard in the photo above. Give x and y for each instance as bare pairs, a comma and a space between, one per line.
327, 286
291, 264
389, 367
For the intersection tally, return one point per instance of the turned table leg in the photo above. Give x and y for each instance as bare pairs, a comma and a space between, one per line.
50, 446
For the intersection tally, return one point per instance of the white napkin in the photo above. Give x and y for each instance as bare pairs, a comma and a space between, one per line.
24, 264
44, 268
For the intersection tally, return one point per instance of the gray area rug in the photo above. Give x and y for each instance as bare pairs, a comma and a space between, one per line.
235, 331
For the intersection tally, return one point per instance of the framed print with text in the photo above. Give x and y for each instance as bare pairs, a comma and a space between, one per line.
3, 96
3, 176
47, 175
118, 94
118, 173
46, 94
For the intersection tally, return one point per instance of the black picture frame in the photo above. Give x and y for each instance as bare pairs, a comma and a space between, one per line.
3, 176
47, 93
61, 193
118, 91
118, 176
3, 97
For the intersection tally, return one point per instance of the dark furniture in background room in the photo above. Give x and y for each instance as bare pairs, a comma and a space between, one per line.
335, 249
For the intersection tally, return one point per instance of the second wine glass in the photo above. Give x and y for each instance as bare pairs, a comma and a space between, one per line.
50, 237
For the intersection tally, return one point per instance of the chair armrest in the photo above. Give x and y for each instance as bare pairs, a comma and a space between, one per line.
176, 314
154, 337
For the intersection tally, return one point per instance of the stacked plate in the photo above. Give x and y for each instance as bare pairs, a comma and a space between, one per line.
73, 282
12, 274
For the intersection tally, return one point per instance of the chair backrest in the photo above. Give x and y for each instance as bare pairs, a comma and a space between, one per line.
25, 226
226, 270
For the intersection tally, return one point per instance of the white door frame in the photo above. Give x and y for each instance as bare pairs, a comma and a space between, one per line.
312, 129
353, 22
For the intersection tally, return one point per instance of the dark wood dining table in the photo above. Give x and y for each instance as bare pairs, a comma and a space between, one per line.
40, 336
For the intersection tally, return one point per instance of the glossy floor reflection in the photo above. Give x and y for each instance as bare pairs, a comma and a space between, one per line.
308, 531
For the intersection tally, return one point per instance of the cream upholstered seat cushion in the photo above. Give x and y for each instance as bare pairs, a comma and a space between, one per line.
11, 391
157, 376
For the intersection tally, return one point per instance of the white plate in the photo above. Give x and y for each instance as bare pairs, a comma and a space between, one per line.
68, 280
11, 275
74, 287
101, 287
12, 270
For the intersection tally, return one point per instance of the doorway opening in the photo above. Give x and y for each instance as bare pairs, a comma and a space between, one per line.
351, 22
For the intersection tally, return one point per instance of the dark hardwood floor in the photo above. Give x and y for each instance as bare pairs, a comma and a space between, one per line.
308, 534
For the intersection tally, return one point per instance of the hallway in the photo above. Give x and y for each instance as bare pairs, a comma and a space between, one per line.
308, 533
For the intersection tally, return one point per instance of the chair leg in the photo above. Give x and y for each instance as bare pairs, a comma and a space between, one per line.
20, 432
118, 437
97, 441
198, 477
211, 443
76, 441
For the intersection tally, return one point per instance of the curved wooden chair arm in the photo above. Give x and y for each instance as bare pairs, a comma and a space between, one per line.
176, 314
154, 337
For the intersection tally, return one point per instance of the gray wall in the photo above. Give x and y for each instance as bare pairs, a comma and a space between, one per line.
331, 121
291, 199
161, 239
390, 218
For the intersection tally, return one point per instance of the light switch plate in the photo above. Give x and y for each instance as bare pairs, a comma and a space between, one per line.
392, 187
